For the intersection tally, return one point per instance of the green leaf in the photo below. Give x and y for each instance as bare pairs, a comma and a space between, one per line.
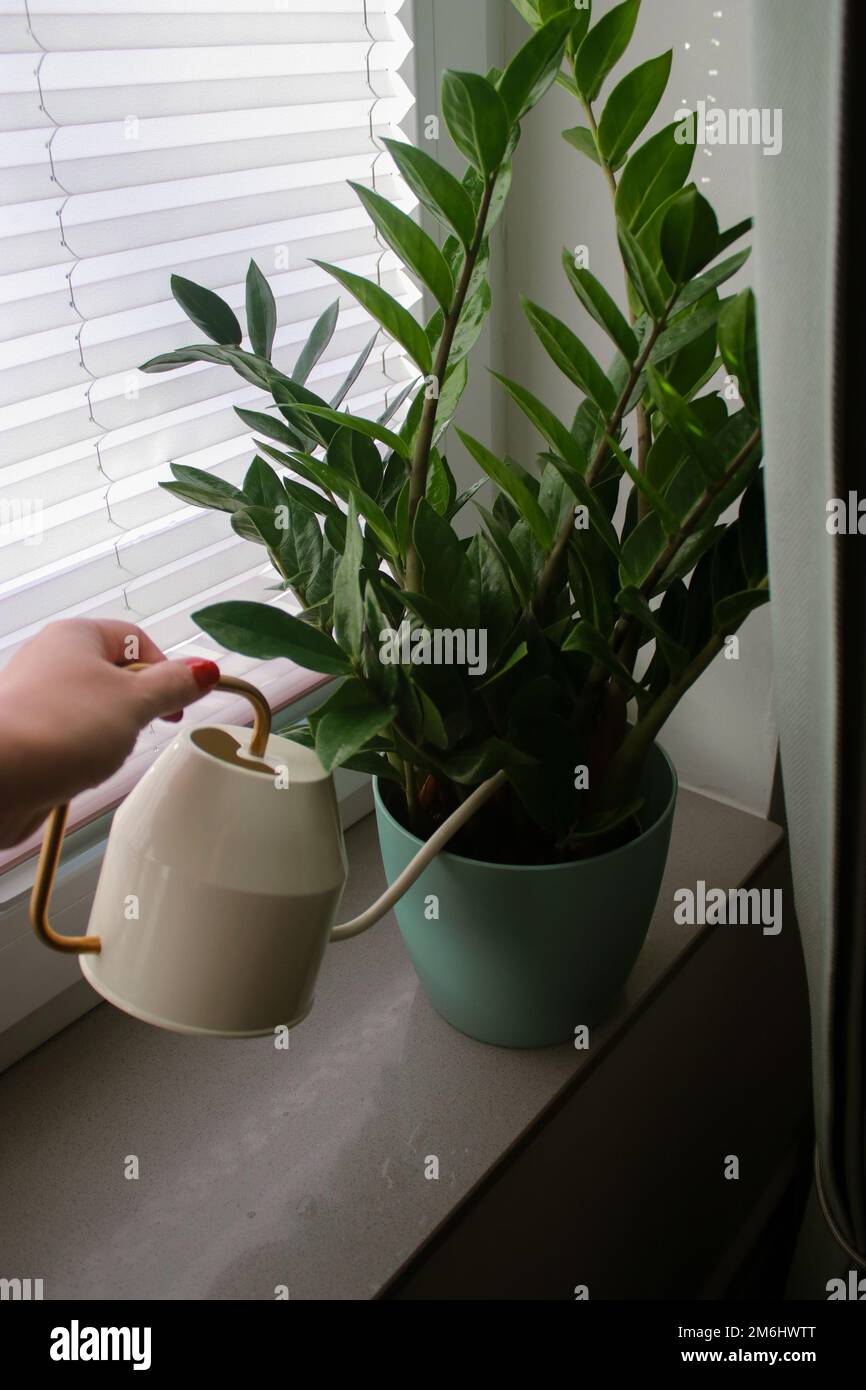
712, 279
456, 379
355, 456
655, 171
348, 604
641, 274
644, 548
448, 576
631, 601
270, 427
321, 335
528, 10
441, 490
411, 243
290, 396
738, 344
547, 424
588, 498
301, 551
513, 487
685, 329
477, 119
262, 487
266, 632
684, 421
689, 237
513, 561
534, 67
384, 674
734, 233
203, 489
498, 607
598, 303
207, 311
730, 612
752, 526
472, 319
668, 453
341, 420
603, 47
466, 496
572, 357
695, 549
644, 486
181, 357
582, 138
316, 471
436, 188
394, 318
584, 637
261, 312
259, 525
630, 106
354, 372
347, 721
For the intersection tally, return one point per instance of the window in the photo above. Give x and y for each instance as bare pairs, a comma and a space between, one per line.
137, 140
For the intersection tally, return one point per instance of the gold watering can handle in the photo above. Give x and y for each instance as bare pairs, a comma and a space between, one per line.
52, 839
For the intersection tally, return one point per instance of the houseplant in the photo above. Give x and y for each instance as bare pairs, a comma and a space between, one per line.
604, 581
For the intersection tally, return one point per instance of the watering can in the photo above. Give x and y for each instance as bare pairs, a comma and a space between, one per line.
221, 882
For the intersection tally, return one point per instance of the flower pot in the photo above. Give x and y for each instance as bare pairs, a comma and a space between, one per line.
522, 955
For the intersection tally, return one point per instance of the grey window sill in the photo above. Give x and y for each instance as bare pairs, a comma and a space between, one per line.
304, 1168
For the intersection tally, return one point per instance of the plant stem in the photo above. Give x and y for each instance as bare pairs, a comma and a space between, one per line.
628, 761
411, 794
551, 568
644, 436
427, 426
644, 440
593, 125
676, 542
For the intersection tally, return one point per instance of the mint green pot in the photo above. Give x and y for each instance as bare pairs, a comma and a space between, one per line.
522, 955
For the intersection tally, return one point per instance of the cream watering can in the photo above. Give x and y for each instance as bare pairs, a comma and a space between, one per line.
221, 882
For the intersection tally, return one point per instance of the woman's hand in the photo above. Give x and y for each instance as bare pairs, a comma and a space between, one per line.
70, 714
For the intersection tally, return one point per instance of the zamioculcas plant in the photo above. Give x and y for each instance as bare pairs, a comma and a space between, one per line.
604, 580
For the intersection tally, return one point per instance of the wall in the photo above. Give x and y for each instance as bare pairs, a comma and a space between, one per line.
723, 735
470, 37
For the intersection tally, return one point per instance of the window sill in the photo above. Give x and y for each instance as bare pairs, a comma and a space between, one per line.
305, 1167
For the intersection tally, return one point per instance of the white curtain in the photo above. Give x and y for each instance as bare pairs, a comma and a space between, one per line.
798, 57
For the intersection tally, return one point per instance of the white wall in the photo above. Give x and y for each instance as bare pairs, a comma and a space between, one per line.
468, 36
723, 736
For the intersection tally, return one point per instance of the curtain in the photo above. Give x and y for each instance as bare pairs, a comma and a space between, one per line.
810, 283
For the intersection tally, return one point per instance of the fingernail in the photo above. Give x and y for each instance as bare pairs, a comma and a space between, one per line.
206, 673
173, 718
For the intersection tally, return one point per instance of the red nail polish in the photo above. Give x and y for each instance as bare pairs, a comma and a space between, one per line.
206, 673
173, 718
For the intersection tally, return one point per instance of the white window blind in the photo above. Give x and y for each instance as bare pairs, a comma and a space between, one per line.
140, 138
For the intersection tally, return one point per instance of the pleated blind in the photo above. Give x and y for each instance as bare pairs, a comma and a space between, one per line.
140, 138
